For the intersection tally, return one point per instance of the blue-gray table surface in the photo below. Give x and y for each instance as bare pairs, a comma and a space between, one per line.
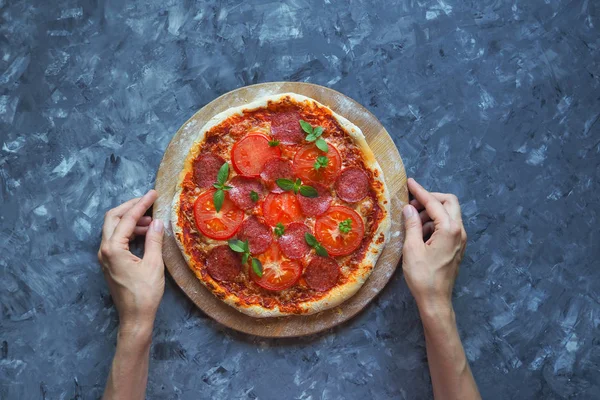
495, 101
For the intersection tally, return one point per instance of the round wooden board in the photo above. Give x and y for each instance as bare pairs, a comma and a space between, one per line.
395, 176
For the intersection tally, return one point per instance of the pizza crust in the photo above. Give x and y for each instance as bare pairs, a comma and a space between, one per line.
338, 294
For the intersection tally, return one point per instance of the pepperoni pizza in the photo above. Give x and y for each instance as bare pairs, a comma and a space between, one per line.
281, 207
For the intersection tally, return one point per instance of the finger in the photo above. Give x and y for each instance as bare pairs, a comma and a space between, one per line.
144, 221
415, 203
140, 230
414, 229
424, 217
129, 220
113, 216
154, 239
428, 229
450, 203
434, 207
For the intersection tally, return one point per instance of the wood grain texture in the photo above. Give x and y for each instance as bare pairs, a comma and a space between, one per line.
395, 176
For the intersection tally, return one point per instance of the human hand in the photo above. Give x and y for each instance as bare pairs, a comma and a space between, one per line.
136, 284
430, 267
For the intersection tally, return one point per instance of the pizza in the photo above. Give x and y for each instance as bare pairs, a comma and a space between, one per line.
281, 207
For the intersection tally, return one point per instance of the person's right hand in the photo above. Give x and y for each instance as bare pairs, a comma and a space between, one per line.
430, 267
136, 284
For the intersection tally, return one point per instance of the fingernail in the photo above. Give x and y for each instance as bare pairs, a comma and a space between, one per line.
157, 225
409, 211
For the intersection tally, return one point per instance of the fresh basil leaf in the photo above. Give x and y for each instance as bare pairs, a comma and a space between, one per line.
306, 127
308, 191
273, 143
322, 145
236, 245
323, 160
217, 186
310, 240
223, 174
245, 258
253, 196
246, 246
279, 229
285, 184
310, 138
227, 187
218, 199
257, 267
345, 226
320, 250
318, 131
316, 165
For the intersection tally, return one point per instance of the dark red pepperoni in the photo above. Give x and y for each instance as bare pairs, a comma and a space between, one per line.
352, 185
285, 127
292, 242
205, 167
312, 206
223, 264
322, 273
274, 169
241, 189
257, 234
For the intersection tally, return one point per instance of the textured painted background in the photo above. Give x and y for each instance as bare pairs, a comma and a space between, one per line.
496, 101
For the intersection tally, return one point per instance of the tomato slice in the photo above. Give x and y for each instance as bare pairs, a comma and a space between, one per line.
250, 154
278, 272
281, 207
336, 242
304, 162
217, 225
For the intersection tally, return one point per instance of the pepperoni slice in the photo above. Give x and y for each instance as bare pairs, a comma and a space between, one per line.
241, 190
312, 206
292, 242
223, 264
281, 207
322, 273
276, 168
249, 154
205, 167
352, 185
304, 165
285, 127
257, 234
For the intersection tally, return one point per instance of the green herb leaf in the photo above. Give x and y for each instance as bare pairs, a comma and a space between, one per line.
320, 250
318, 131
310, 138
253, 196
345, 226
322, 145
306, 127
217, 186
223, 174
218, 199
245, 258
308, 191
273, 143
279, 229
310, 240
246, 246
321, 162
236, 245
285, 184
257, 267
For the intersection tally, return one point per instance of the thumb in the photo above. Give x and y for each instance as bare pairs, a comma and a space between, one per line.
154, 240
414, 228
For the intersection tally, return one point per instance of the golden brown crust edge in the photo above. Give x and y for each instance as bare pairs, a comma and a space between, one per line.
338, 294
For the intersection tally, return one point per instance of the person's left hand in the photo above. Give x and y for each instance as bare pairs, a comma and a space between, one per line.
136, 284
